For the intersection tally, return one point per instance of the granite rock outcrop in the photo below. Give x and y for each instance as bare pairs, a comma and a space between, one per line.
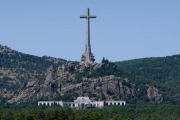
154, 95
62, 80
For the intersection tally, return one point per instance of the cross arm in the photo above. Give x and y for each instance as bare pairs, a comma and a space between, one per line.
83, 16
92, 16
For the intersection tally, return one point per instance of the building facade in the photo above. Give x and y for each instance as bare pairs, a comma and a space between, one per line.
82, 102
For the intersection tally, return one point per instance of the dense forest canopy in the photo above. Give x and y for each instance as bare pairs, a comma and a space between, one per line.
128, 112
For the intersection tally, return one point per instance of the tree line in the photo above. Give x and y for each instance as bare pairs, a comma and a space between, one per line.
128, 112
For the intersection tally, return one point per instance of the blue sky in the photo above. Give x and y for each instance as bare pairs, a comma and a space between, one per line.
123, 29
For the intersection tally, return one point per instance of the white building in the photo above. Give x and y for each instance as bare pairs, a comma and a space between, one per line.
82, 101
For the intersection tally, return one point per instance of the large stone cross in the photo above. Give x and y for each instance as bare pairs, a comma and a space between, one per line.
87, 16
87, 57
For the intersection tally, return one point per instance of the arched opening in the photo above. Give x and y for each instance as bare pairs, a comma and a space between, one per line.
82, 104
52, 104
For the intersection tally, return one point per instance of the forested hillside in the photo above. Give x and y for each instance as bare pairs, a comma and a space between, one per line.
164, 70
29, 78
17, 68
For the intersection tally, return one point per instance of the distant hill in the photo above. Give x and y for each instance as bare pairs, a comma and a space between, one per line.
17, 68
27, 78
163, 70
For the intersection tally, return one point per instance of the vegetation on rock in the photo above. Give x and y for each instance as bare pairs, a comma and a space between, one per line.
28, 78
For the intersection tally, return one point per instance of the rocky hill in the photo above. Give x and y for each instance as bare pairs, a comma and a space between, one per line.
27, 78
17, 68
69, 81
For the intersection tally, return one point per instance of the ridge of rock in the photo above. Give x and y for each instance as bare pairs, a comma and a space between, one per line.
63, 80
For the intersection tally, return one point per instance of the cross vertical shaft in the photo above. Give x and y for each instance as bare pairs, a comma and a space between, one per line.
88, 28
87, 57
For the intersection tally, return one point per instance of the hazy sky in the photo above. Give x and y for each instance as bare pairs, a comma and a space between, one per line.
123, 29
